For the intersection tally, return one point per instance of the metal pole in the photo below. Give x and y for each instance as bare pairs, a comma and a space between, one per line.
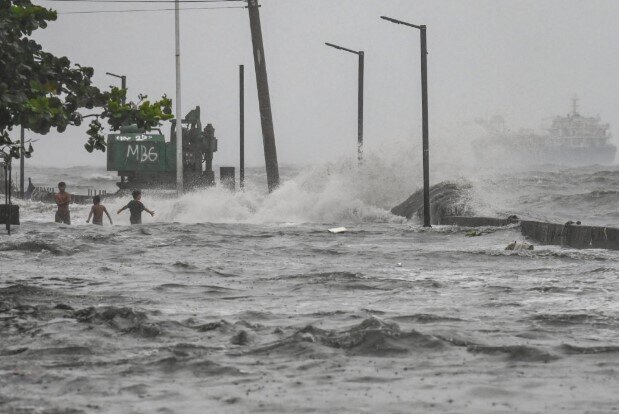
8, 223
123, 83
264, 98
361, 55
360, 109
21, 164
179, 123
242, 126
6, 188
424, 109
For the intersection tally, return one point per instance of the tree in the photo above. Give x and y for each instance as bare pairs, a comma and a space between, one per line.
41, 91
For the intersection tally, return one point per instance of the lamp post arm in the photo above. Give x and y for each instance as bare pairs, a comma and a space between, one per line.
396, 21
343, 48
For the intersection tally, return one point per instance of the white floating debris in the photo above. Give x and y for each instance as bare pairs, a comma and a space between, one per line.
337, 230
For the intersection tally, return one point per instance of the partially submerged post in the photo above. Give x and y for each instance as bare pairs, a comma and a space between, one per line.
7, 194
226, 177
22, 157
424, 110
264, 98
361, 55
242, 126
9, 213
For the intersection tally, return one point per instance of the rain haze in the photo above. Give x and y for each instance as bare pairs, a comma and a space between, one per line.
484, 281
523, 60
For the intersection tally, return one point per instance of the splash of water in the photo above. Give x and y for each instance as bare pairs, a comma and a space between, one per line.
331, 193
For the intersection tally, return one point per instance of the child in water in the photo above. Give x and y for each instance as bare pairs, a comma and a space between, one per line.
96, 212
63, 199
136, 207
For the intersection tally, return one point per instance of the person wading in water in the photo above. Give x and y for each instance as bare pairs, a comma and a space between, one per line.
136, 207
96, 212
63, 199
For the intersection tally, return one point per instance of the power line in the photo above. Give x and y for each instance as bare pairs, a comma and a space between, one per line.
151, 10
145, 1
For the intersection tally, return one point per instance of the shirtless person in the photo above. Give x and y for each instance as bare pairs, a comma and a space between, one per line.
63, 199
96, 212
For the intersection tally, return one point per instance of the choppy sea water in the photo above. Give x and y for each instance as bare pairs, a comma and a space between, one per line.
244, 303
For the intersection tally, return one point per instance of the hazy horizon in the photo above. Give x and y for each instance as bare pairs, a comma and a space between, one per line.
523, 60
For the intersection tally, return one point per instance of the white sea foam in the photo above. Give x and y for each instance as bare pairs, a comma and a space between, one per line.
340, 192
344, 191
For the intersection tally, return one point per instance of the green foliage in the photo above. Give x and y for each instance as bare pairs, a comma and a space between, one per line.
144, 114
41, 91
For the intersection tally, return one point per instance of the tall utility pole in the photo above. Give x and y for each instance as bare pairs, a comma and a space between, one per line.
424, 113
21, 163
123, 83
264, 98
242, 126
361, 55
179, 116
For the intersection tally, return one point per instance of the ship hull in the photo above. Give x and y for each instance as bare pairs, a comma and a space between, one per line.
572, 157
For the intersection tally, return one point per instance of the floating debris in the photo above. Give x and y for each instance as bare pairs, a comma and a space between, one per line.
519, 246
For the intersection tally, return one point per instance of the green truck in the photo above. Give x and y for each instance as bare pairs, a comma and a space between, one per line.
146, 160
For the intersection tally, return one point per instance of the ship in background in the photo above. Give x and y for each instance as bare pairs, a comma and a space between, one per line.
572, 140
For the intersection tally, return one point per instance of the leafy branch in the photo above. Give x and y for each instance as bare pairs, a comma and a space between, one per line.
144, 114
41, 91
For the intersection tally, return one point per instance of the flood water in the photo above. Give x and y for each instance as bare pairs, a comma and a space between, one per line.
244, 303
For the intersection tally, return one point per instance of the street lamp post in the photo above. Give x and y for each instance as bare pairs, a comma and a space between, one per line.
424, 110
179, 116
123, 82
242, 126
360, 97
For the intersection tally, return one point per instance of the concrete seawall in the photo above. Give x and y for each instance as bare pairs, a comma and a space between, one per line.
466, 221
571, 235
75, 198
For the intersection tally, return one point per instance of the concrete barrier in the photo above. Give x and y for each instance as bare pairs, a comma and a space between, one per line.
48, 197
227, 177
466, 221
14, 213
572, 235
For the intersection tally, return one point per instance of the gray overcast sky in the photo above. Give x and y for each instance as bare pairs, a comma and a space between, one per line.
521, 59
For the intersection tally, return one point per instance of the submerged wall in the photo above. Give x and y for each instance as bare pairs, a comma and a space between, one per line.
572, 235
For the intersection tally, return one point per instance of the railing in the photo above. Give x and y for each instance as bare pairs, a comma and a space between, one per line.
91, 192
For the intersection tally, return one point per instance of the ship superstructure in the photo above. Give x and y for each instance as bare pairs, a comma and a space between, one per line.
572, 140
